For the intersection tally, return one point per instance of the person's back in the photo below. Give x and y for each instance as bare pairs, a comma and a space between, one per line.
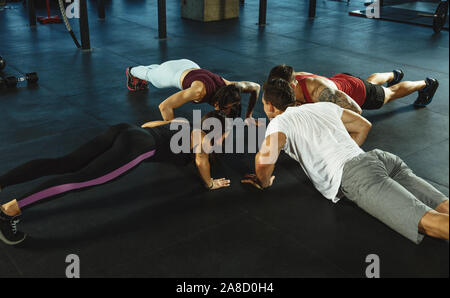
163, 135
350, 85
325, 140
319, 141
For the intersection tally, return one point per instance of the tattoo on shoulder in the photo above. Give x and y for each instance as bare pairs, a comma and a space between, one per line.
246, 85
329, 95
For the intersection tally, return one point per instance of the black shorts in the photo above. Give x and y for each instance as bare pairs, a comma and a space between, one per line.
374, 96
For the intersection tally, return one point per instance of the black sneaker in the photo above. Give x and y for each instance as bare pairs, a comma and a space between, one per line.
398, 77
426, 94
8, 229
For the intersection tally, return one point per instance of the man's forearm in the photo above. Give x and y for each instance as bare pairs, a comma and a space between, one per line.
263, 171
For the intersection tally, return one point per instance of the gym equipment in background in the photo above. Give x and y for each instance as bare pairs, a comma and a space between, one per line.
2, 63
12, 82
439, 17
66, 22
49, 19
413, 13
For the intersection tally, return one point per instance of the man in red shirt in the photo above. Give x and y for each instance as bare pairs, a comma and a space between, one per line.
354, 93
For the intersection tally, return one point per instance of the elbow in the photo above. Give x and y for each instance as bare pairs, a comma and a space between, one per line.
165, 111
162, 107
256, 91
368, 127
198, 95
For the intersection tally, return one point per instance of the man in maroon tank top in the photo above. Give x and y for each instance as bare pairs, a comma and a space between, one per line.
354, 93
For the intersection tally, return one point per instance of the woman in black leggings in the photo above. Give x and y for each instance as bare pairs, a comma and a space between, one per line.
110, 155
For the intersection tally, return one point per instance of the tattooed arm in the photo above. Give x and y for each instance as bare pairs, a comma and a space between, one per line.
324, 91
253, 89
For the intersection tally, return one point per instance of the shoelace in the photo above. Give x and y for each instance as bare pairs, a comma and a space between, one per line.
14, 223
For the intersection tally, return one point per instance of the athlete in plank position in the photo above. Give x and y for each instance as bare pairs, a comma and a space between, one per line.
325, 139
197, 85
356, 94
108, 156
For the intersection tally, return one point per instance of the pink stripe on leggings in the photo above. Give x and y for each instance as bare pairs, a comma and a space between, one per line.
56, 190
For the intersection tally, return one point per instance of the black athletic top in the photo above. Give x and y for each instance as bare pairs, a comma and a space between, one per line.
162, 136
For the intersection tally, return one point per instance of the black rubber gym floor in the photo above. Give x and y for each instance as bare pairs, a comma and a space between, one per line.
159, 221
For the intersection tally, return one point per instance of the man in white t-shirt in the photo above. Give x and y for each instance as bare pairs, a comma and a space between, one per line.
325, 139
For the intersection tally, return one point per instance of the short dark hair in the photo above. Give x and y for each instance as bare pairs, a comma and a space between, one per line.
279, 93
227, 95
282, 71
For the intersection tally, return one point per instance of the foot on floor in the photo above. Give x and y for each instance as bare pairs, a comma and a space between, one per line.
398, 77
133, 83
426, 94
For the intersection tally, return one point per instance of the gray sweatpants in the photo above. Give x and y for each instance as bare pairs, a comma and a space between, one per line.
382, 185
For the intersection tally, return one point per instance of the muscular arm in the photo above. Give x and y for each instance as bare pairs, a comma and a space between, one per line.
195, 92
253, 89
357, 126
204, 167
267, 157
326, 92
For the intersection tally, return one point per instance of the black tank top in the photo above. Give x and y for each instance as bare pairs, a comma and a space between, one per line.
162, 136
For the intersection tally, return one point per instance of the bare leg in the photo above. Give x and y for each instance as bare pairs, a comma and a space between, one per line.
435, 224
380, 78
443, 208
402, 89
